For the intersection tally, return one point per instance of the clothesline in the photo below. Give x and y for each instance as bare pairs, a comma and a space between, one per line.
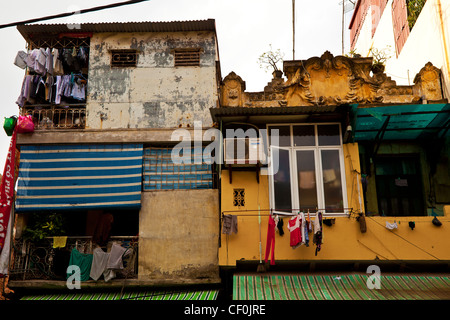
273, 211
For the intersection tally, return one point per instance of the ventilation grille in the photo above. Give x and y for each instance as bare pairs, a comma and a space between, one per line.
123, 58
239, 197
187, 57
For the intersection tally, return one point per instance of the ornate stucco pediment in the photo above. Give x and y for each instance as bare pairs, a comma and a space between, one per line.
232, 89
330, 80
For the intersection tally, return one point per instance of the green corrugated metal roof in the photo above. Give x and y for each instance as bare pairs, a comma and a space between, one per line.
75, 295
401, 122
340, 287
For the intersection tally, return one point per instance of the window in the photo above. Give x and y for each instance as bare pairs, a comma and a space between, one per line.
160, 172
124, 58
399, 186
187, 57
239, 197
308, 168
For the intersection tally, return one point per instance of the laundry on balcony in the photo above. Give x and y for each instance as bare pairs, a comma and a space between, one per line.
38, 89
53, 61
94, 265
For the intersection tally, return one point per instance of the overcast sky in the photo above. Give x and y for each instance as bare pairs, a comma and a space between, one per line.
245, 29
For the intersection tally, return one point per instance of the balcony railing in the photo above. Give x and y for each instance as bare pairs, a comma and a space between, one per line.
47, 117
41, 261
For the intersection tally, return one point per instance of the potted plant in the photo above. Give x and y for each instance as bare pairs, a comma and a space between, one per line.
268, 60
379, 59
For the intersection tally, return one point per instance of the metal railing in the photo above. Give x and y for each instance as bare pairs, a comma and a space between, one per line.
47, 117
42, 261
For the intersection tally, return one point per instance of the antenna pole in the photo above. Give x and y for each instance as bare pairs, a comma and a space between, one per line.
293, 29
343, 14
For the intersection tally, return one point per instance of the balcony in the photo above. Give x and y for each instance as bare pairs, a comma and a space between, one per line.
47, 117
51, 117
32, 261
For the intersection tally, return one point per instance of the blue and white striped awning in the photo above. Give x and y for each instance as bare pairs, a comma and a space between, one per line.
61, 177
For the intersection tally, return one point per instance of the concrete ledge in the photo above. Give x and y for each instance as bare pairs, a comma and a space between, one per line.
153, 135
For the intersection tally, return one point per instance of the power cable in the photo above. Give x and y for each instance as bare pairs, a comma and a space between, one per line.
406, 240
66, 14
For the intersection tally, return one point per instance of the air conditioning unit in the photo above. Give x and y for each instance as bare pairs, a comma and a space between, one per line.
243, 151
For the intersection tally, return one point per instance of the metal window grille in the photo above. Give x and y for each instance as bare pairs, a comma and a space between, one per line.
123, 58
238, 197
187, 57
161, 173
58, 43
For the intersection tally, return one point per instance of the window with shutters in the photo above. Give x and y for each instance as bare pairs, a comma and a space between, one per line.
187, 57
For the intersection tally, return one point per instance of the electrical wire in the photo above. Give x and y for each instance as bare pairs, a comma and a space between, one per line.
66, 14
406, 240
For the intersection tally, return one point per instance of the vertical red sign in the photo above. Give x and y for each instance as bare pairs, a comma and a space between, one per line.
7, 189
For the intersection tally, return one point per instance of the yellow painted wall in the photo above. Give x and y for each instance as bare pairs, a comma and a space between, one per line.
342, 241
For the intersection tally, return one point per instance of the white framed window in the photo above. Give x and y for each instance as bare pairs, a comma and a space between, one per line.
308, 169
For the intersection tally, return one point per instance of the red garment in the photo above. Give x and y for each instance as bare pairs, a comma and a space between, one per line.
295, 230
270, 244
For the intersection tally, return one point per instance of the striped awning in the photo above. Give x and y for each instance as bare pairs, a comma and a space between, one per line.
61, 177
127, 295
340, 287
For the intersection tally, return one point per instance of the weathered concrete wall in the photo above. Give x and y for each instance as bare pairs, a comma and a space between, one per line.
154, 94
178, 235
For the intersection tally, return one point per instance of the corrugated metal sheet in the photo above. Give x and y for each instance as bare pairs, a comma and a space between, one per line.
243, 111
62, 177
340, 287
144, 26
128, 295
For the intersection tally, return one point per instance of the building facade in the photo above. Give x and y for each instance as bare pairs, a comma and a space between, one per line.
408, 33
367, 154
98, 164
332, 166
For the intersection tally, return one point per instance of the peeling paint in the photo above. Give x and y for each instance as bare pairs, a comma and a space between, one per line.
154, 94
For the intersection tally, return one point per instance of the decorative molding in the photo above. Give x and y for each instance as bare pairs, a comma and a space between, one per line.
330, 80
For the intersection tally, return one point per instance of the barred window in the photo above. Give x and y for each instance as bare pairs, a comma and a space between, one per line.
124, 58
239, 197
161, 173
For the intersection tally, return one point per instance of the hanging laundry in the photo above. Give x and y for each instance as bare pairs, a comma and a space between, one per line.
39, 62
49, 61
31, 59
294, 226
58, 68
21, 59
318, 236
59, 242
115, 258
83, 261
280, 227
229, 225
306, 235
99, 265
78, 90
270, 243
391, 226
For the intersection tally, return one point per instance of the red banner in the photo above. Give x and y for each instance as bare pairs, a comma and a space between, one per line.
7, 189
